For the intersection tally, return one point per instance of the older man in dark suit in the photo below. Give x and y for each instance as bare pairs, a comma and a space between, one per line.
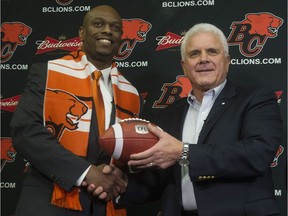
216, 147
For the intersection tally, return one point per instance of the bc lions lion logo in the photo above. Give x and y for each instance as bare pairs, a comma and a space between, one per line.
252, 33
8, 153
64, 112
64, 2
13, 34
173, 91
134, 30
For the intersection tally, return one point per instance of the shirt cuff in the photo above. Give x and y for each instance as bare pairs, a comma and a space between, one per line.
81, 178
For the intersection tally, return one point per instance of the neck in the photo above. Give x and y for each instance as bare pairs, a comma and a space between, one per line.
100, 63
198, 94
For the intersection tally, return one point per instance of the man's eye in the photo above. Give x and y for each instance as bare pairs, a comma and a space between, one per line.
193, 54
98, 24
116, 28
213, 52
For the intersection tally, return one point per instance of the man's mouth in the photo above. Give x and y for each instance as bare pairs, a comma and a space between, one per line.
105, 41
205, 70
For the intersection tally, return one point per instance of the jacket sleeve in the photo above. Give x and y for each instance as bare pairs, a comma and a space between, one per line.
32, 140
239, 138
242, 141
145, 186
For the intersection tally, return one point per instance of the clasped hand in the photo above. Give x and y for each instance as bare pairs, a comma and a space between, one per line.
162, 155
105, 181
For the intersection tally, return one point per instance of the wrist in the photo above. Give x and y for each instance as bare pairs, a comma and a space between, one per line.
184, 157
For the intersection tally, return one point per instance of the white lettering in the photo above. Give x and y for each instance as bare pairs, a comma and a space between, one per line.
65, 9
178, 4
256, 61
164, 40
278, 193
46, 44
132, 64
8, 103
7, 185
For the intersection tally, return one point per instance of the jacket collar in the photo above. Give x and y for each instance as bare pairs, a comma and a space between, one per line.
223, 101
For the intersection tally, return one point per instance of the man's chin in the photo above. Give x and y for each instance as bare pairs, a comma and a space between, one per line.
105, 52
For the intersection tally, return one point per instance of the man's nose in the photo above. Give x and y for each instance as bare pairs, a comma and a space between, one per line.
107, 28
204, 57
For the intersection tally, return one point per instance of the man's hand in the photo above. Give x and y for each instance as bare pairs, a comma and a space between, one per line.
105, 181
162, 155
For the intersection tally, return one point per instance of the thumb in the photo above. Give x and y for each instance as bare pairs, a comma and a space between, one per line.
107, 169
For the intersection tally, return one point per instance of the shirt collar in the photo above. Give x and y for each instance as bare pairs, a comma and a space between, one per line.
105, 72
191, 99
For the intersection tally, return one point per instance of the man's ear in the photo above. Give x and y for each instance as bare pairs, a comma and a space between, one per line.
228, 59
183, 66
81, 33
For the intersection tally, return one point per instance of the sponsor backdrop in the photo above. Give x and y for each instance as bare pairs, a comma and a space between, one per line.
40, 30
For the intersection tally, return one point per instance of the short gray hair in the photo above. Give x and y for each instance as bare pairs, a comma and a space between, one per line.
204, 27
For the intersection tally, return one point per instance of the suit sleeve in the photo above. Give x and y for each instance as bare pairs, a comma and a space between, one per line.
243, 141
238, 140
145, 186
33, 141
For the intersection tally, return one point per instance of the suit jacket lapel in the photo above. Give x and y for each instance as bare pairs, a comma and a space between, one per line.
95, 154
93, 148
178, 118
177, 122
224, 100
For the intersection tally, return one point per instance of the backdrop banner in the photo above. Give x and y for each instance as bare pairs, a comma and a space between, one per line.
149, 56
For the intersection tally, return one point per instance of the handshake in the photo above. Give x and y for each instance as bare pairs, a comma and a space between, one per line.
105, 181
108, 181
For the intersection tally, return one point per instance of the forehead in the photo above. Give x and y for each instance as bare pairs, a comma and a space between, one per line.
104, 13
204, 40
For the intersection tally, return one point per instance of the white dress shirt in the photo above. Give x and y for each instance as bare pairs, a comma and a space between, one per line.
107, 93
194, 120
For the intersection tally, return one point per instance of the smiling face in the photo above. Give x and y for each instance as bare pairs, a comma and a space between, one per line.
101, 35
205, 62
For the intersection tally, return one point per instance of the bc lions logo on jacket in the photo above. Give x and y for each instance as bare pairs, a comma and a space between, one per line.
14, 34
134, 30
65, 112
8, 153
252, 33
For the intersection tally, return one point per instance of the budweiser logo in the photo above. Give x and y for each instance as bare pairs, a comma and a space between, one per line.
50, 44
168, 41
9, 104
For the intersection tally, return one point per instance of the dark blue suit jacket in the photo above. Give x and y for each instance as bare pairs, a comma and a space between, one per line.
230, 164
50, 162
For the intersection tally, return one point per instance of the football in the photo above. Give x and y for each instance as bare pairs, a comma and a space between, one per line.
127, 137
